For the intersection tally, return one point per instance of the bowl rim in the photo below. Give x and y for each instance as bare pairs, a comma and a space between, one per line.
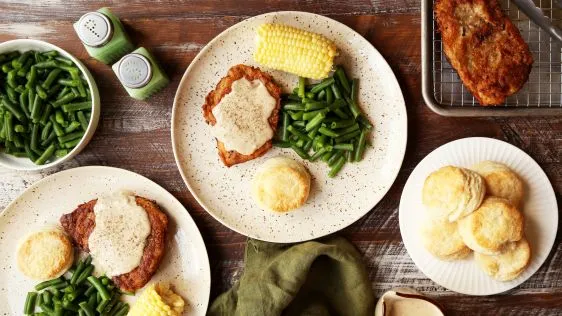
94, 118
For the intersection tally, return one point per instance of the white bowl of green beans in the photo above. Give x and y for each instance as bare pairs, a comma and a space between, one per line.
49, 105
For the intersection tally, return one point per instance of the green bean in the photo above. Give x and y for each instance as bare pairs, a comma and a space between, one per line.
60, 118
347, 137
342, 124
30, 303
46, 284
299, 124
51, 53
321, 95
341, 114
30, 99
23, 71
59, 131
76, 77
307, 116
342, 78
328, 155
46, 113
45, 308
284, 132
316, 121
353, 107
36, 110
112, 303
62, 93
312, 133
67, 305
7, 67
47, 154
68, 82
64, 99
349, 129
342, 146
81, 266
11, 94
65, 61
297, 133
46, 130
354, 89
41, 92
301, 86
335, 157
46, 297
30, 154
46, 64
72, 127
20, 128
101, 289
339, 103
58, 309
315, 106
92, 300
328, 132
19, 154
123, 311
310, 95
293, 97
336, 91
72, 107
318, 154
35, 137
303, 154
75, 91
49, 140
11, 78
361, 142
53, 74
329, 95
325, 83
296, 115
294, 106
300, 142
23, 103
85, 274
88, 310
59, 153
53, 89
21, 60
364, 122
19, 115
336, 167
32, 78
8, 126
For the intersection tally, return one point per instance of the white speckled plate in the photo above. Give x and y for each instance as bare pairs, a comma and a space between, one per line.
540, 210
185, 264
333, 203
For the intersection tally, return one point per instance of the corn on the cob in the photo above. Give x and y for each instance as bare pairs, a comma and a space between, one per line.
302, 53
158, 300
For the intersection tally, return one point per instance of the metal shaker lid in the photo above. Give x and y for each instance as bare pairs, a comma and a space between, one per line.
94, 29
134, 70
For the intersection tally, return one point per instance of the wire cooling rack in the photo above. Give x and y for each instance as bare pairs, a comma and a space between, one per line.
542, 95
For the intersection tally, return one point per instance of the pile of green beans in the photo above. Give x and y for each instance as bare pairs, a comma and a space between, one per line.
81, 294
45, 105
325, 118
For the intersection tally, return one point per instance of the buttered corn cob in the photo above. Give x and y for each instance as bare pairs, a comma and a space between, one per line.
289, 49
158, 300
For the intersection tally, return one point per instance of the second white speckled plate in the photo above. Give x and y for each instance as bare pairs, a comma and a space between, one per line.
333, 203
540, 210
185, 264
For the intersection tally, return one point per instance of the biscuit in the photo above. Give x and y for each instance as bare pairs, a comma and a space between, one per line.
281, 184
442, 239
501, 181
509, 263
452, 193
493, 224
45, 255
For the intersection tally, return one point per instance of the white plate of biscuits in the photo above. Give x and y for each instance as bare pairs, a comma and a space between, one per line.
478, 216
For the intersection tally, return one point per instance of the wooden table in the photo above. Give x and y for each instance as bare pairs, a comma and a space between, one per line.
136, 135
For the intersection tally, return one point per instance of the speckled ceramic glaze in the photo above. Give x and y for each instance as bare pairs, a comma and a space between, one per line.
333, 203
185, 264
539, 207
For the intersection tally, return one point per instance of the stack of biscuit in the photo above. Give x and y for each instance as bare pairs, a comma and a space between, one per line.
477, 211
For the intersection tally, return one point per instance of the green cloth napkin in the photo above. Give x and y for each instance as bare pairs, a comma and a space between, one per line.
323, 277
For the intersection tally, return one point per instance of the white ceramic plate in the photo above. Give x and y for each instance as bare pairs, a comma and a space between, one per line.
23, 45
540, 210
185, 264
333, 203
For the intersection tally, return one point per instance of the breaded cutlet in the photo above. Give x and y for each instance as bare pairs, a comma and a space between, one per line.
81, 222
224, 87
485, 48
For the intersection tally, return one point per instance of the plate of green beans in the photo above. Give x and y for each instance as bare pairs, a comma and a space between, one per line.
323, 121
49, 105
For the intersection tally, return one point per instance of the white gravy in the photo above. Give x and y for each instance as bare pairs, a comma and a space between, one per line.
118, 239
242, 116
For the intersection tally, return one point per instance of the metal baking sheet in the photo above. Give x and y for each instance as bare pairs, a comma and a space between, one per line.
445, 94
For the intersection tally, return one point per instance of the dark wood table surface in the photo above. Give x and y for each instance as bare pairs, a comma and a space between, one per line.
136, 135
